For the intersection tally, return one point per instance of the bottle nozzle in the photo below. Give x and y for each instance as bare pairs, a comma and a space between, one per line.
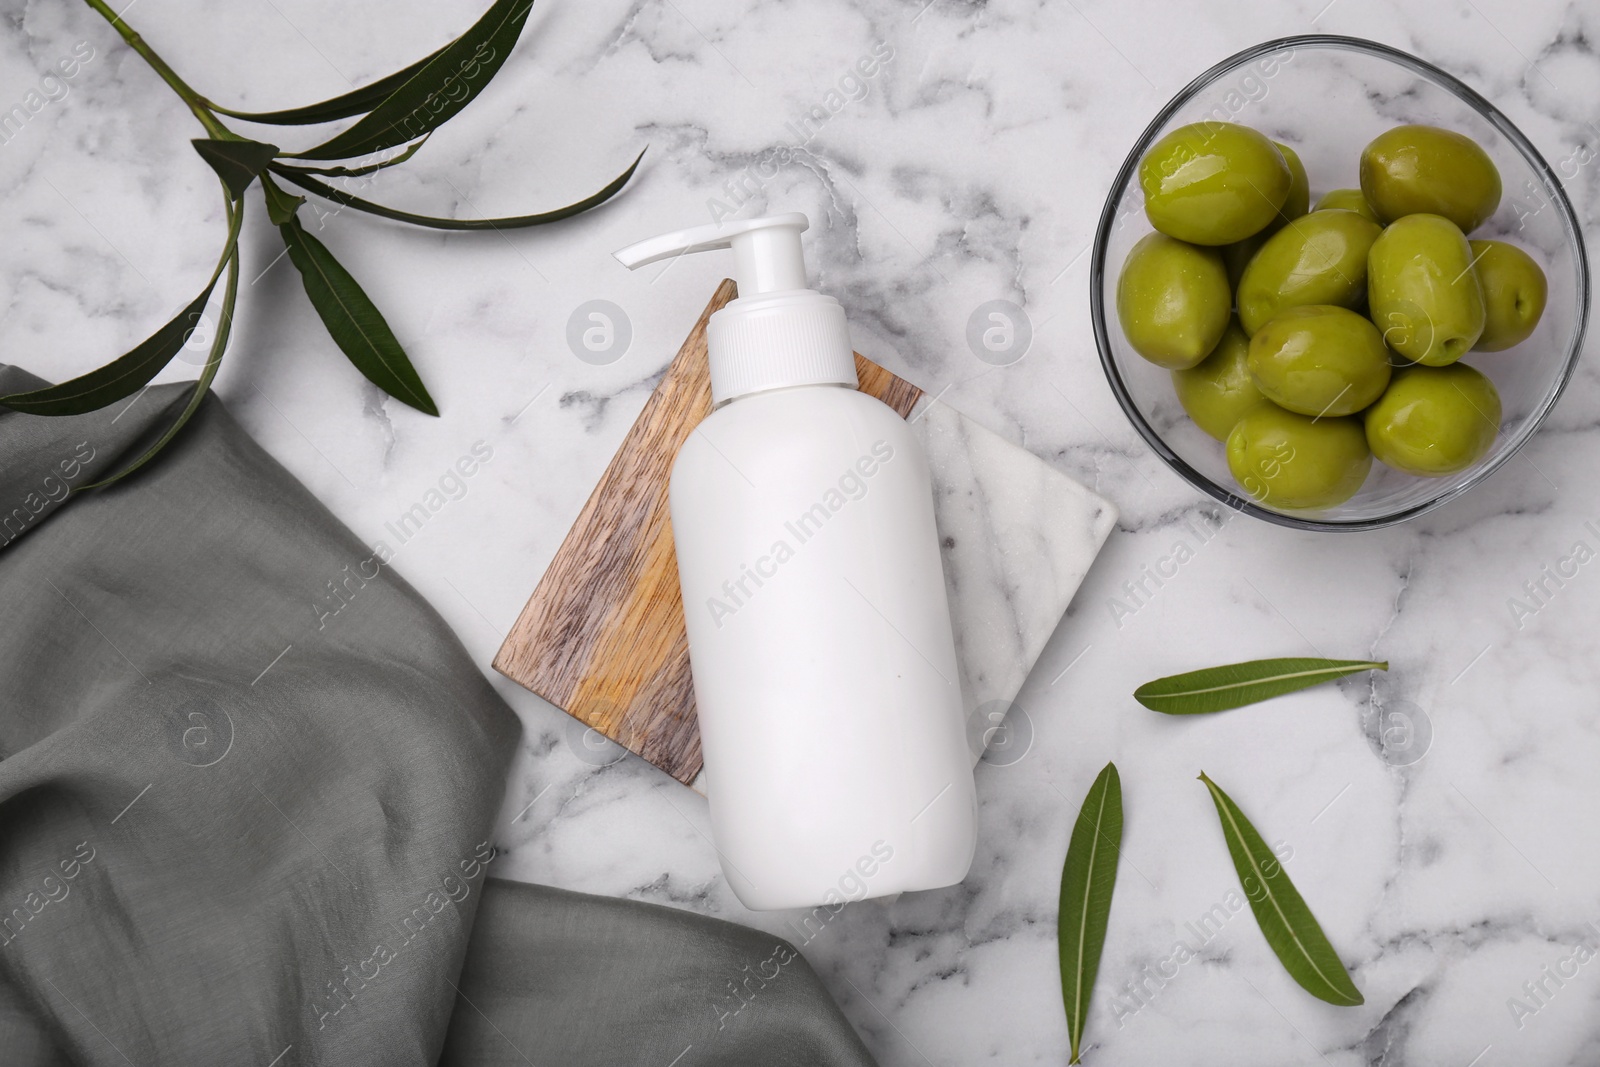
767, 253
778, 333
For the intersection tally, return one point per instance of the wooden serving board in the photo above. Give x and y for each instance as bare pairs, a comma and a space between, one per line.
603, 635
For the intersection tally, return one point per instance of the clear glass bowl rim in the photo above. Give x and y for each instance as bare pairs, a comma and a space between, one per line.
1477, 102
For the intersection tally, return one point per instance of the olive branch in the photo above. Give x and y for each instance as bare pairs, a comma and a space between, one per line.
397, 112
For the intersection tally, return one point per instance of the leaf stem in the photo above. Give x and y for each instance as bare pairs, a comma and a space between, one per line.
194, 100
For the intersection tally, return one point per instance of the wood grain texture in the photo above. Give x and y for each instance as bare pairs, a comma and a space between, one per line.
603, 636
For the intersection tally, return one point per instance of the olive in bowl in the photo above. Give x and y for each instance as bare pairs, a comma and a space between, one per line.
1219, 389
1293, 461
1434, 421
1173, 300
1320, 360
1214, 183
1368, 89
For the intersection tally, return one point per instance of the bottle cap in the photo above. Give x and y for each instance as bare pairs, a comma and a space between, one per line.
778, 332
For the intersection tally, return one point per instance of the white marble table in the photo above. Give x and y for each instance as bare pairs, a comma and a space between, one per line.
972, 170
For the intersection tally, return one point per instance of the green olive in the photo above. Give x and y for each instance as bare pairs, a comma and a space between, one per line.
1320, 360
1424, 170
1173, 300
1298, 200
1290, 461
1434, 420
1219, 389
1213, 183
1320, 258
1422, 290
1347, 200
1514, 292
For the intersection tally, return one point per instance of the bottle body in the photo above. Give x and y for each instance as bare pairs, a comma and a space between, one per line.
837, 765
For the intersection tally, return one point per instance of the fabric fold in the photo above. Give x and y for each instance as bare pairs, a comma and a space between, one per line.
236, 827
569, 978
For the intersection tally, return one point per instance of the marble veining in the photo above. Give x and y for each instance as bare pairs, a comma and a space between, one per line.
1458, 878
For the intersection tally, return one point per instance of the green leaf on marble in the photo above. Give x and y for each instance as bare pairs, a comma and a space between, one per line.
399, 113
353, 320
303, 179
1237, 684
133, 371
237, 162
355, 102
281, 205
370, 168
440, 88
219, 345
1286, 922
1087, 880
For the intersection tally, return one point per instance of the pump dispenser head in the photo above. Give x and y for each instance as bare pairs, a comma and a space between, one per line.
778, 333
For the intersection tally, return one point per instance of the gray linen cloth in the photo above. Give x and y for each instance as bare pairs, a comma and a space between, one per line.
236, 828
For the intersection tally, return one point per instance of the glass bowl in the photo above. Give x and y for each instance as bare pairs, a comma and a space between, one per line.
1327, 97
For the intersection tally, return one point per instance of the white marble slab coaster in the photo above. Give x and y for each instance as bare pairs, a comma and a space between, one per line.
1018, 536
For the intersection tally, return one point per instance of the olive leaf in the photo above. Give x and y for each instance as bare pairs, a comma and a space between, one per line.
355, 102
400, 110
1285, 921
353, 320
356, 172
1087, 880
448, 82
281, 205
237, 162
302, 178
133, 371
219, 345
1238, 684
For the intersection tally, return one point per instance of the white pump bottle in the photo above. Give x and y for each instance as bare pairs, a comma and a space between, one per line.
837, 765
